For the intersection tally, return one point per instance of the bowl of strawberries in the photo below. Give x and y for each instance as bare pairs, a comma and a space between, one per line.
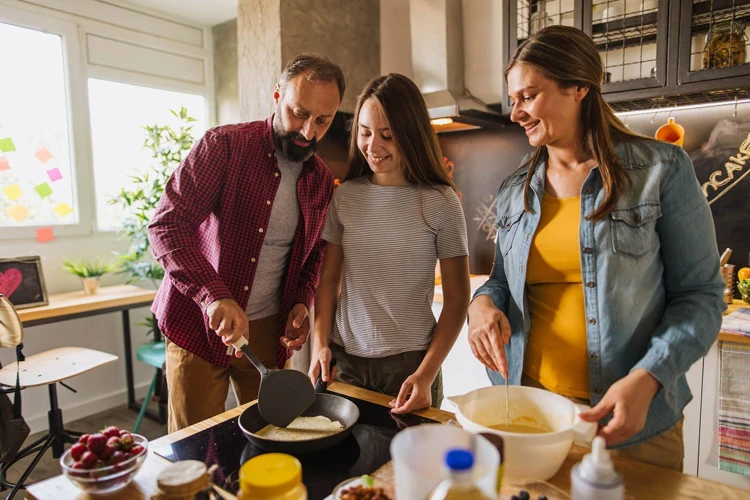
105, 461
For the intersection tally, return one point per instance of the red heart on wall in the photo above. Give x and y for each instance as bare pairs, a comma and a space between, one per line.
10, 280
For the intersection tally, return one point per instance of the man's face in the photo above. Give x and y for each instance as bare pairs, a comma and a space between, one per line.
304, 112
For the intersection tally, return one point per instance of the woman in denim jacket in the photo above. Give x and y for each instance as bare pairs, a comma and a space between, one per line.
606, 284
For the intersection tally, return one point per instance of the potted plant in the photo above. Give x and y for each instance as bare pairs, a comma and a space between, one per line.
89, 272
168, 146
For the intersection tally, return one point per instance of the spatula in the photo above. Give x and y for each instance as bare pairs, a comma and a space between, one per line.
284, 394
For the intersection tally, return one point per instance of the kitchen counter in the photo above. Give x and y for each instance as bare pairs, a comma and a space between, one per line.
641, 481
731, 336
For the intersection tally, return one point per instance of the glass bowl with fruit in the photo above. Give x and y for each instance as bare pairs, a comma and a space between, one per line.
744, 288
105, 461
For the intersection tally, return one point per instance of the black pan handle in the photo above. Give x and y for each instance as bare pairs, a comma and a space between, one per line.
320, 386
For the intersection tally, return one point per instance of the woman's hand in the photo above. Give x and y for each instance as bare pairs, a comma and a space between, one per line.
628, 400
320, 363
489, 332
415, 394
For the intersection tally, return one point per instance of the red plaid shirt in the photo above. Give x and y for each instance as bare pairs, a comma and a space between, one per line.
209, 227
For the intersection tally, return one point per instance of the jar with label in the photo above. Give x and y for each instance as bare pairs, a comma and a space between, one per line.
273, 476
725, 46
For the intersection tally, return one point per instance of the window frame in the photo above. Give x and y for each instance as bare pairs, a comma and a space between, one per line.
77, 72
77, 111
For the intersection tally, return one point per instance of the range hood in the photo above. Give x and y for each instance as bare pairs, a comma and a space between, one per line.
438, 61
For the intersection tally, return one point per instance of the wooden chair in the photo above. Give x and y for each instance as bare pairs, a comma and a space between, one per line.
46, 368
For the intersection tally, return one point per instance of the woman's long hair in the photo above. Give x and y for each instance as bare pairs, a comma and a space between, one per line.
569, 57
406, 112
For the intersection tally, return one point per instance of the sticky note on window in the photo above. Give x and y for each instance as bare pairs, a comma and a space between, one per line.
13, 192
43, 155
43, 189
44, 235
6, 145
54, 174
63, 209
18, 212
4, 164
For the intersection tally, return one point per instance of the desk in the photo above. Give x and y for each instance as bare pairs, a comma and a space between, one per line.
73, 305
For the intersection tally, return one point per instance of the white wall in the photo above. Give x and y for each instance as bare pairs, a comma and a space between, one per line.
131, 46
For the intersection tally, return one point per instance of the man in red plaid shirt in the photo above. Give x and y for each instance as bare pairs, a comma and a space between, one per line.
238, 234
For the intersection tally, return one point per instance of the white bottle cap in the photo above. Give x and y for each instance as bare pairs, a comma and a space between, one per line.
597, 467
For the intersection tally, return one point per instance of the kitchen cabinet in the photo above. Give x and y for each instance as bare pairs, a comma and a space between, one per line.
653, 50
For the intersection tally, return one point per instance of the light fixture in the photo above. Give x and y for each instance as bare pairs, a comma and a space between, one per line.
657, 108
441, 121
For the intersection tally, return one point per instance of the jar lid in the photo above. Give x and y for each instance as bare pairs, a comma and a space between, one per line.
270, 475
183, 478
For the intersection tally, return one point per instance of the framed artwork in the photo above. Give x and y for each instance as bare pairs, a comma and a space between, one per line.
22, 281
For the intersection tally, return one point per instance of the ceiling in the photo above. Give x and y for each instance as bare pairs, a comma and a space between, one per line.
201, 12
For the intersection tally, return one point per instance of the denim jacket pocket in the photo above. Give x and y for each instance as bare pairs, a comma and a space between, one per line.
507, 225
634, 229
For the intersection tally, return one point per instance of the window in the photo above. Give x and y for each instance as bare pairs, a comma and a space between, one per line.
118, 114
37, 187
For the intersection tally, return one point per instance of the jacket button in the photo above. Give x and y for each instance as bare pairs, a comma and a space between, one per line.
592, 355
636, 217
275, 174
595, 390
592, 321
268, 202
246, 288
587, 191
591, 284
587, 250
587, 217
252, 259
270, 155
260, 230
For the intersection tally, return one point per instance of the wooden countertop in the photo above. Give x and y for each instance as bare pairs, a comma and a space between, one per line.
731, 336
642, 481
76, 303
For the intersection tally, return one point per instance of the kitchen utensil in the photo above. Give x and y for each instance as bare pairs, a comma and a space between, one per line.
725, 257
507, 403
671, 132
336, 408
727, 273
528, 457
284, 394
418, 454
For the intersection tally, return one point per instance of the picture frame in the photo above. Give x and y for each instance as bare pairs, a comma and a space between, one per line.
22, 281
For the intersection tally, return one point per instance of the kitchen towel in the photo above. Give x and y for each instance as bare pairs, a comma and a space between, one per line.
737, 322
734, 408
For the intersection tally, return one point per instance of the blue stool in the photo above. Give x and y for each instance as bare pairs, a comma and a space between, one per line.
152, 354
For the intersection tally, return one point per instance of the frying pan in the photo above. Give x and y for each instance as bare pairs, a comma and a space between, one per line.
326, 404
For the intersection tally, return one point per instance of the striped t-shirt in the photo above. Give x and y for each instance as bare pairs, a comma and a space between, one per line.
391, 237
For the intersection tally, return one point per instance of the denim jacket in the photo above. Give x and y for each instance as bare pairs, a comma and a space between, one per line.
652, 288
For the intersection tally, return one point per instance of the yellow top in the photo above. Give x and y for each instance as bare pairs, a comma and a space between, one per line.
556, 353
272, 476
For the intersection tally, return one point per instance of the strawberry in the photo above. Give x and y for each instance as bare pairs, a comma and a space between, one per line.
111, 431
96, 442
88, 459
126, 440
115, 442
76, 451
136, 449
84, 439
119, 456
107, 452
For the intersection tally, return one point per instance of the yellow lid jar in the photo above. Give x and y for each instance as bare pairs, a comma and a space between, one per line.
273, 476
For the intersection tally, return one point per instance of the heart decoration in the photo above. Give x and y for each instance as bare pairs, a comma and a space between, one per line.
10, 280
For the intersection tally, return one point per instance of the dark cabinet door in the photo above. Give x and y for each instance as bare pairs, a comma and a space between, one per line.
714, 41
632, 39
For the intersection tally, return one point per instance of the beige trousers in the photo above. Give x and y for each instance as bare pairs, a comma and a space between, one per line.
665, 450
198, 389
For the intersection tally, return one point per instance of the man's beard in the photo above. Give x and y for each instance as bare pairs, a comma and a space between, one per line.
288, 149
